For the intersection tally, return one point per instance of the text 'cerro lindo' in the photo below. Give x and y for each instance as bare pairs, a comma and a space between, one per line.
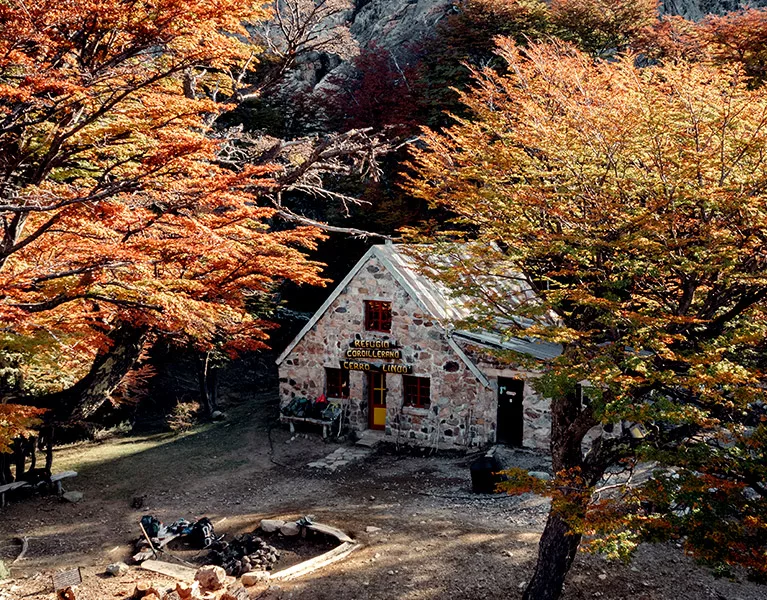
353, 365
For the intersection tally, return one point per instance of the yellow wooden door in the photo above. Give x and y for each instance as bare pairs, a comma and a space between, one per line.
377, 400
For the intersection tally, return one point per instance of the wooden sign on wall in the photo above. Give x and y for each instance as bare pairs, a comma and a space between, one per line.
353, 365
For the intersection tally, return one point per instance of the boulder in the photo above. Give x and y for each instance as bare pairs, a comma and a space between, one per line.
254, 577
211, 577
72, 496
271, 525
117, 569
371, 529
290, 529
540, 475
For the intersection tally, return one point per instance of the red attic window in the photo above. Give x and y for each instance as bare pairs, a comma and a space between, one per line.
377, 316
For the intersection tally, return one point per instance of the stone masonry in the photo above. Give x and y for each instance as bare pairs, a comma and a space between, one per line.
462, 411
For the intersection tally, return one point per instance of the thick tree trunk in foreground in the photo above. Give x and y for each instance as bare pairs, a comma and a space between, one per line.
556, 552
109, 368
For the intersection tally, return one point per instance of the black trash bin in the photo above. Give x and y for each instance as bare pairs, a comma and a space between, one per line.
485, 475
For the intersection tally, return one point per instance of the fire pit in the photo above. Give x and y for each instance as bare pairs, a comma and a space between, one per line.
275, 550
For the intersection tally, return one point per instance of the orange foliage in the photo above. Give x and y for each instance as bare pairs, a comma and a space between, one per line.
631, 200
16, 421
600, 26
113, 199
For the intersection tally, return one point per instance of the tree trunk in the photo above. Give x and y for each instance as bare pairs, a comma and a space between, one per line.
6, 475
208, 381
570, 422
109, 368
556, 552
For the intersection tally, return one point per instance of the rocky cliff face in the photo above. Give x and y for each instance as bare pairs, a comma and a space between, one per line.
395, 24
398, 25
697, 9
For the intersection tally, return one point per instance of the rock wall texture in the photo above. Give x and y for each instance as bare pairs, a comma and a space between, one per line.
697, 9
463, 411
398, 26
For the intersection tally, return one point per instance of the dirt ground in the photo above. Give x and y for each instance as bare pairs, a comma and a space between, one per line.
437, 539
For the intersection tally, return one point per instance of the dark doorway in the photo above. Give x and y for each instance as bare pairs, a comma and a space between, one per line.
510, 411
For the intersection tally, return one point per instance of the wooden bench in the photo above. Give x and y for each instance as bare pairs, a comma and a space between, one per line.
55, 480
59, 477
293, 420
9, 487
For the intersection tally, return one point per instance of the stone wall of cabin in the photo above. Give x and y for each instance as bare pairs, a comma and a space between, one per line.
463, 412
536, 408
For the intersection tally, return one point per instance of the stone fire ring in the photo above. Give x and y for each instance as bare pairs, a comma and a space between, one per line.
346, 546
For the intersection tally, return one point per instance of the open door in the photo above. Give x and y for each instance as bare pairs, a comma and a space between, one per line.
377, 400
511, 419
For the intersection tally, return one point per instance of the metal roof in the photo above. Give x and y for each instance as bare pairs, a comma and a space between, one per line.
443, 305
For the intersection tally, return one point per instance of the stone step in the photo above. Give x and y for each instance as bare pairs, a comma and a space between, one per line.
370, 438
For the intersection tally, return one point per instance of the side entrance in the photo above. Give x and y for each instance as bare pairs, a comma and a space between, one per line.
377, 400
510, 411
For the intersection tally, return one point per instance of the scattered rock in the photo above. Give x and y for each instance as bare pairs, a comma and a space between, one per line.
602, 576
271, 525
211, 577
371, 529
217, 415
144, 589
273, 591
72, 496
289, 529
235, 593
188, 590
254, 577
540, 475
66, 594
118, 569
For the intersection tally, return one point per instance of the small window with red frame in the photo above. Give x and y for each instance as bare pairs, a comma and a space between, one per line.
417, 391
377, 316
336, 383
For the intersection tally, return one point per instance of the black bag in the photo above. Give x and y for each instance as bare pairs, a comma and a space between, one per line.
202, 535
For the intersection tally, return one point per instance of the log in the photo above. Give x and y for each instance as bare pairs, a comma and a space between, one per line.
178, 572
24, 547
318, 562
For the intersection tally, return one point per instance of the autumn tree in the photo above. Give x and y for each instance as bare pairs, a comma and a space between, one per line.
602, 26
121, 215
633, 202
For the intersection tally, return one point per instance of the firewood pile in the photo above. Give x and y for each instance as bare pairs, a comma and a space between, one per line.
245, 553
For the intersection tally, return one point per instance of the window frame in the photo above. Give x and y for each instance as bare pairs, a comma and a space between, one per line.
378, 315
420, 383
340, 378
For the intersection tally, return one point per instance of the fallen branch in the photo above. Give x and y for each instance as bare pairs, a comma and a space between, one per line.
24, 547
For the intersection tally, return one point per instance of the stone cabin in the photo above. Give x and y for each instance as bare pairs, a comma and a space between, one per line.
384, 346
